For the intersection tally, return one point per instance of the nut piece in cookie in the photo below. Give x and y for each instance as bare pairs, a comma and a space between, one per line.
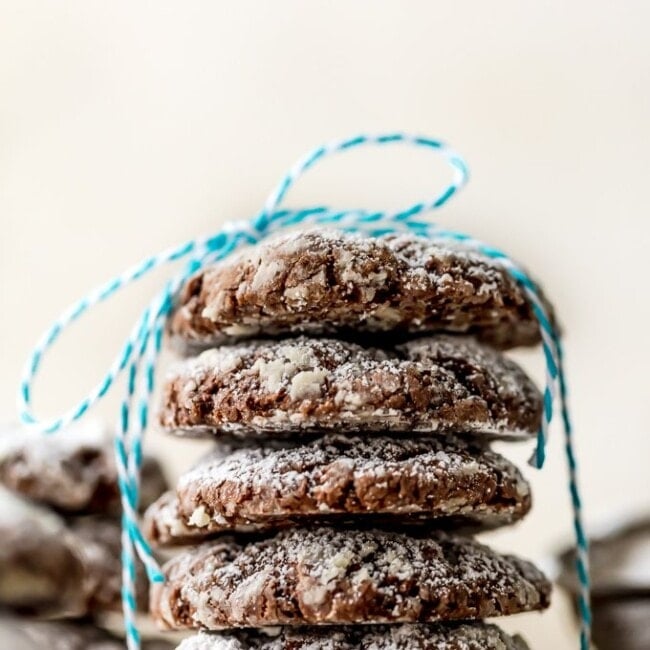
165, 526
328, 576
402, 481
72, 471
327, 282
442, 636
437, 384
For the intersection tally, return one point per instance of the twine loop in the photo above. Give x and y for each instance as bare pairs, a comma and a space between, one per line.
138, 356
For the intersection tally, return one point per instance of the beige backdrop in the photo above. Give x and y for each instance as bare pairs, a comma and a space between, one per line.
130, 126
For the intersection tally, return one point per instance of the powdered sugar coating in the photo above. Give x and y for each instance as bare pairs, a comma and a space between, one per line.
49, 566
339, 476
329, 576
72, 471
164, 526
17, 511
41, 570
325, 282
434, 384
450, 636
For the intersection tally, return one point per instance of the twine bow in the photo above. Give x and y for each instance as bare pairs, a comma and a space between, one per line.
138, 357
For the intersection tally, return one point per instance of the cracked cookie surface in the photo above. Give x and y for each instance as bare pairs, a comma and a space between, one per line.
453, 481
329, 282
328, 576
436, 384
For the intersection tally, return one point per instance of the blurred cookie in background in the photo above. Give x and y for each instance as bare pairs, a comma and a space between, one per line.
620, 574
20, 634
72, 471
623, 624
58, 569
41, 566
99, 539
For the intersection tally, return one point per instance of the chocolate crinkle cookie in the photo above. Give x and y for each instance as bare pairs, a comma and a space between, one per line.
619, 563
338, 476
72, 471
53, 568
621, 624
435, 384
449, 636
620, 585
329, 576
41, 569
327, 282
26, 634
99, 539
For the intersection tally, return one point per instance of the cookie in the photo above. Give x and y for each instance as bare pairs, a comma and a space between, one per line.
450, 636
327, 576
436, 384
51, 635
336, 476
619, 563
41, 570
51, 568
72, 471
620, 585
99, 541
621, 624
164, 527
327, 282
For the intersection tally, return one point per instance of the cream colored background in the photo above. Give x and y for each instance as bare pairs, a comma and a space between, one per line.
127, 127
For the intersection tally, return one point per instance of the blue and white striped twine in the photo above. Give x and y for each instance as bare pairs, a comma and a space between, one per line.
139, 354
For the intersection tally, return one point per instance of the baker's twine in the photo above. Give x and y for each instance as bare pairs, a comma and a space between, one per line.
139, 354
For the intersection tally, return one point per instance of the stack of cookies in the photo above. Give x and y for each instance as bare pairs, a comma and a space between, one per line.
60, 537
353, 386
